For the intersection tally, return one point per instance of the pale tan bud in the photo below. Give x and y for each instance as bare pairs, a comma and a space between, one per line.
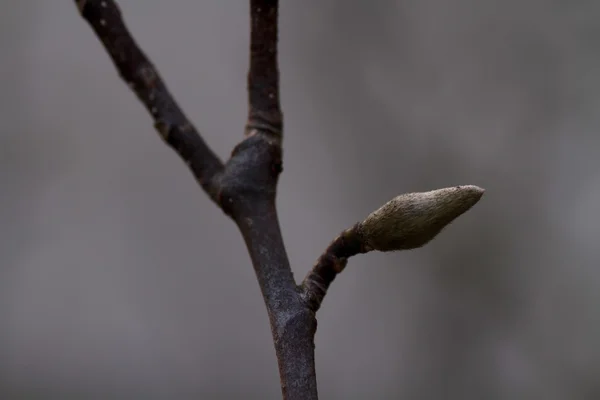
413, 219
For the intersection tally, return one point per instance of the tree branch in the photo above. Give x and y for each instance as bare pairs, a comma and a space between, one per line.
138, 72
264, 112
330, 263
248, 195
406, 222
245, 188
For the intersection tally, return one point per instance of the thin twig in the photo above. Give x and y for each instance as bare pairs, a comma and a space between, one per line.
142, 77
406, 222
264, 111
333, 261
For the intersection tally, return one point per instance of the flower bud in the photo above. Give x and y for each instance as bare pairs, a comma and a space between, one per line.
411, 220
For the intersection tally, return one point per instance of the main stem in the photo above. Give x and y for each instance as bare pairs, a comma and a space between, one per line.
293, 324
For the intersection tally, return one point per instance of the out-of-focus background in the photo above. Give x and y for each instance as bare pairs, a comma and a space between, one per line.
119, 279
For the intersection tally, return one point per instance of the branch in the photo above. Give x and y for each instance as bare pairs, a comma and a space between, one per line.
263, 76
249, 188
330, 263
140, 75
245, 188
406, 222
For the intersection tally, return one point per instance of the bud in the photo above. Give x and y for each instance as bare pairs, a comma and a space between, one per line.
411, 220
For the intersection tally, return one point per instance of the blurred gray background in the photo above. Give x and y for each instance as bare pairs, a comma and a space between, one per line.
119, 279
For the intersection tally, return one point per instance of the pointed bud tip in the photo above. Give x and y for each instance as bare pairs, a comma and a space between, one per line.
472, 188
476, 191
468, 194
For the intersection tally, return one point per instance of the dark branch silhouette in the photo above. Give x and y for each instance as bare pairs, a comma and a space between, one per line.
245, 188
141, 76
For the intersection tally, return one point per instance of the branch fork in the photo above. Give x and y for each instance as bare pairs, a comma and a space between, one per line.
245, 187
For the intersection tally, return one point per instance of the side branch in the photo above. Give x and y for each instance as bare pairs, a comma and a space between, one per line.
142, 77
333, 261
406, 222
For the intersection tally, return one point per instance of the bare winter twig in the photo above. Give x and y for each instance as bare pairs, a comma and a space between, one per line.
141, 76
406, 222
245, 188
